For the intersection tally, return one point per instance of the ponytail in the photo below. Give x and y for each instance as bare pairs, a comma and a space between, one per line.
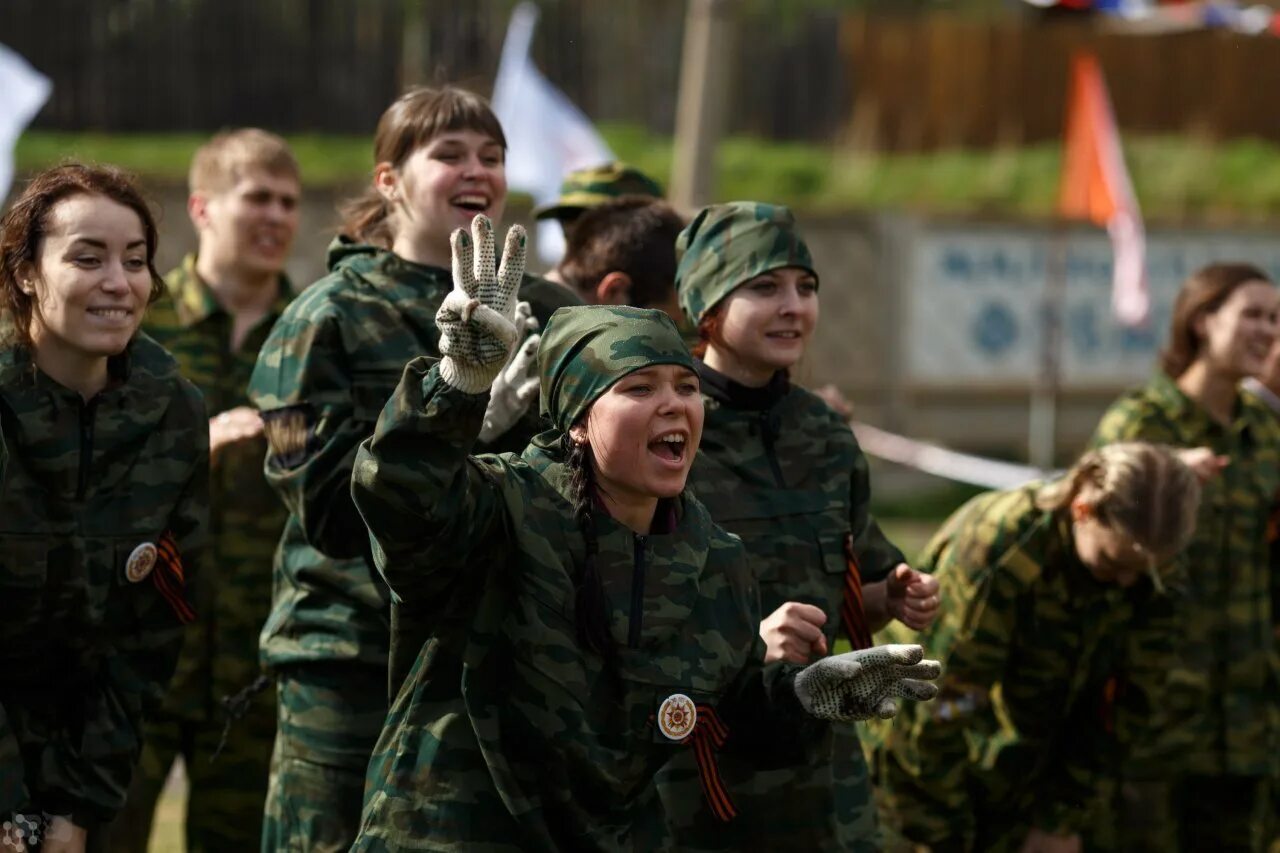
590, 606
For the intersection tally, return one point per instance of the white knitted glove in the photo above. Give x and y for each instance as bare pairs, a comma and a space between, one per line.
516, 387
477, 318
863, 684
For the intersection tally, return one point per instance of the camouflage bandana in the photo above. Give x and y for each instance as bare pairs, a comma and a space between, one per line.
585, 349
727, 244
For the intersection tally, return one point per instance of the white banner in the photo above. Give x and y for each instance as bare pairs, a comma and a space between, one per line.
975, 296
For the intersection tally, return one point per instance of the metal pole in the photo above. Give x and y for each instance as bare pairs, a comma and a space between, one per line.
700, 107
1043, 422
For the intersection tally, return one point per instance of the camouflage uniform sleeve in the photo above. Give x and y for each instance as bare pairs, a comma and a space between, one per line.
429, 506
1132, 418
927, 753
85, 772
305, 390
877, 556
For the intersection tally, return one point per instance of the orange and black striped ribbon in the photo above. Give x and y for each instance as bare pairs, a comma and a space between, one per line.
170, 578
851, 610
709, 734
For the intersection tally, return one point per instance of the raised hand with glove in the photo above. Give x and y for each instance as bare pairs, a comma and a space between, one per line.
477, 318
864, 684
516, 387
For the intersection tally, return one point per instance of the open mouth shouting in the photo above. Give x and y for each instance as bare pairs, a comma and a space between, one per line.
671, 447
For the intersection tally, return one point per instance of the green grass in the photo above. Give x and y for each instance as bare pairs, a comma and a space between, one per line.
1176, 179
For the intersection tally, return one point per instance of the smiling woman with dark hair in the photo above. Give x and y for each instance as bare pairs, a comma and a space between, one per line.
102, 511
1198, 712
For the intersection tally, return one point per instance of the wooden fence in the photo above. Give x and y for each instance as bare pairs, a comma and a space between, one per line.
932, 82
897, 82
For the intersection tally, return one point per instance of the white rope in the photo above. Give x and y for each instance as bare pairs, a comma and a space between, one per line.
932, 459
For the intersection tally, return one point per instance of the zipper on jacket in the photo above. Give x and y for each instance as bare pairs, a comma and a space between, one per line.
86, 446
637, 595
767, 437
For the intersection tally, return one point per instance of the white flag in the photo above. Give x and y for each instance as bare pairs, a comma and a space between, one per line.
23, 91
547, 136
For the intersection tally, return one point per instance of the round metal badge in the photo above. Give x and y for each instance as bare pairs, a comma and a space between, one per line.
140, 563
677, 716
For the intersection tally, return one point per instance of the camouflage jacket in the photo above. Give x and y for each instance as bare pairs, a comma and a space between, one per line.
507, 734
326, 370
103, 517
1023, 642
1202, 672
778, 468
220, 653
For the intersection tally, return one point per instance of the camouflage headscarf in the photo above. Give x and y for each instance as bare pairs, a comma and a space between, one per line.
727, 244
585, 349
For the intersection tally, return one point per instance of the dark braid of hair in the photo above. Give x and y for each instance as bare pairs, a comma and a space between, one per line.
590, 606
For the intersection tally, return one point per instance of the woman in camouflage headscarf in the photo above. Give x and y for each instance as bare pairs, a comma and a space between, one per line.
586, 620
781, 470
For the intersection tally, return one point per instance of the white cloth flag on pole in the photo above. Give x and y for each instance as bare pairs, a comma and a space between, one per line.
547, 136
23, 91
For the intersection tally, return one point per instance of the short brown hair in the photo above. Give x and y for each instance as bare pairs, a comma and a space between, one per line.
1202, 293
413, 120
26, 222
635, 235
222, 161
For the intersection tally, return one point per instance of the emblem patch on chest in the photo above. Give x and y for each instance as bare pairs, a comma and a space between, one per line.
677, 716
140, 563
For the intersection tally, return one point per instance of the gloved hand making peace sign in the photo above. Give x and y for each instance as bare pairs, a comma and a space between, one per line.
863, 684
477, 318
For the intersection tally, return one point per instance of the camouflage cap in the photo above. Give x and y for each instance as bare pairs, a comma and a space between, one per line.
585, 349
727, 244
586, 188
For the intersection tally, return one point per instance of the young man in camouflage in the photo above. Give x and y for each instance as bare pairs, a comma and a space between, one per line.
1040, 584
1198, 710
214, 316
323, 376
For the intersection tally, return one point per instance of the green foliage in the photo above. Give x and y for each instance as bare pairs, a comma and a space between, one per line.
1177, 179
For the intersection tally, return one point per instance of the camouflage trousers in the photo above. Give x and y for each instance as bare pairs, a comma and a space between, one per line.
225, 796
1225, 814
826, 804
330, 716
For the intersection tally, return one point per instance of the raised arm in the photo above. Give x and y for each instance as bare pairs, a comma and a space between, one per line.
429, 508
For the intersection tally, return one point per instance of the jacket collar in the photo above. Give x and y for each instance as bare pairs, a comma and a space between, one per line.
195, 301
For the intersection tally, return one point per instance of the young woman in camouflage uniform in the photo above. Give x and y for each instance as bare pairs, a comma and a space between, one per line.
1200, 719
588, 619
1040, 584
783, 471
326, 370
103, 508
